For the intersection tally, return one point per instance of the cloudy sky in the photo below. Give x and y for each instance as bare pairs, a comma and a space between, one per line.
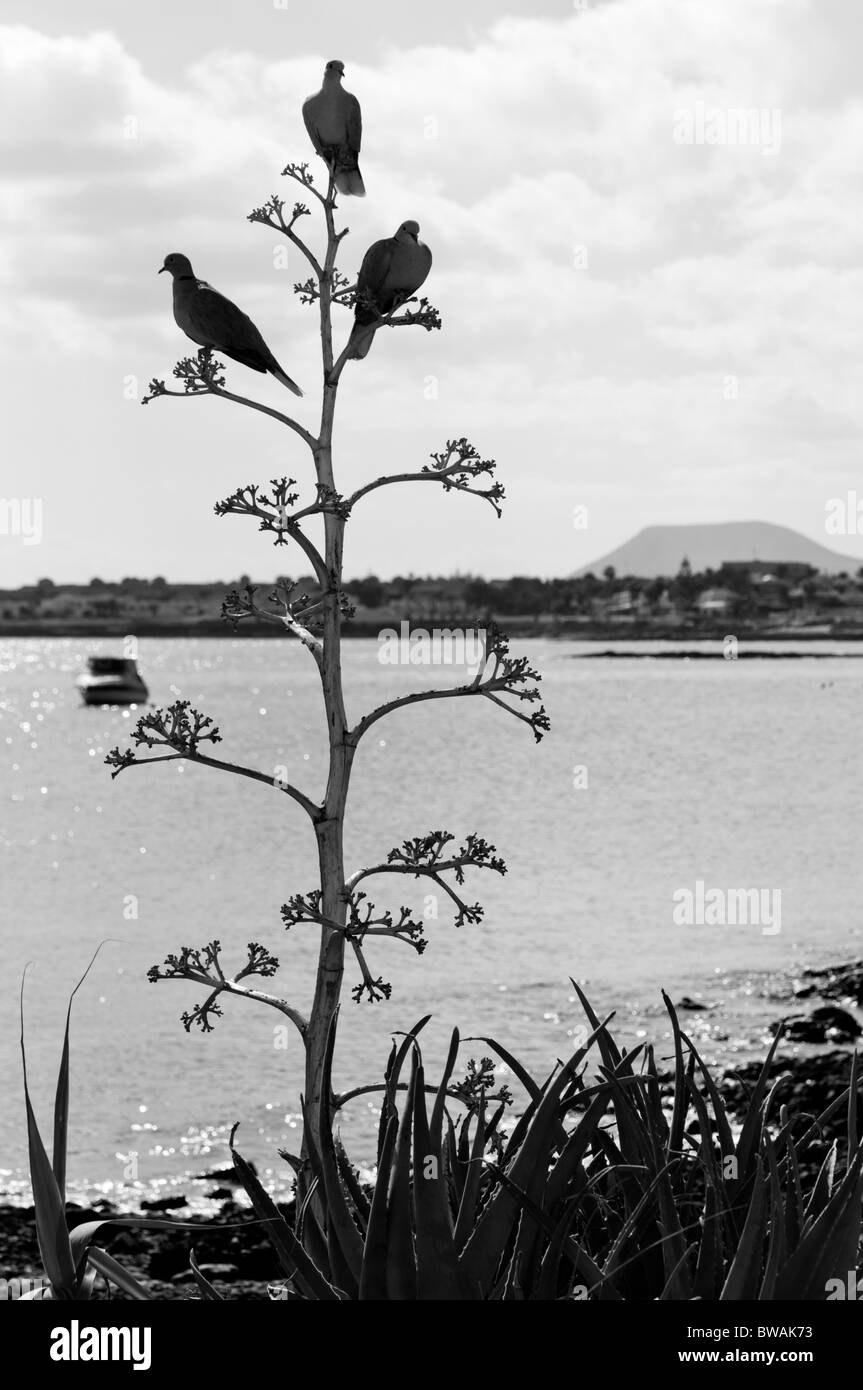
644, 313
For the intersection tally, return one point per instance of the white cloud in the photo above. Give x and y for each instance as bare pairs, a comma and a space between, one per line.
547, 136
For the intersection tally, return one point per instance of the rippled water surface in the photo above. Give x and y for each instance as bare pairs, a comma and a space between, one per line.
740, 774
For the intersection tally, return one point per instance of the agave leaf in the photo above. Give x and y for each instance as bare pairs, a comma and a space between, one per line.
678, 1116
88, 1284
113, 1270
49, 1206
456, 1168
401, 1270
513, 1288
677, 1276
492, 1125
632, 1132
467, 1207
292, 1257
515, 1066
794, 1207
829, 1248
744, 1275
577, 1144
608, 1048
582, 1261
707, 1154
549, 1269
527, 1251
208, 1292
61, 1098
627, 1229
817, 1126
312, 1238
439, 1275
720, 1112
518, 1131
822, 1191
81, 1237
776, 1251
587, 1268
436, 1126
331, 1260
340, 1222
708, 1265
484, 1250
386, 1107
404, 1047
362, 1206
654, 1114
674, 1242
373, 1278
853, 1102
750, 1135
632, 1135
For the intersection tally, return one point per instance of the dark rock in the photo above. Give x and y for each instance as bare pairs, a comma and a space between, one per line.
692, 1004
221, 1194
835, 982
807, 1085
226, 1174
164, 1204
825, 1024
168, 1260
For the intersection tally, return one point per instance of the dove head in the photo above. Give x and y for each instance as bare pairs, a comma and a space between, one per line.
179, 266
408, 231
335, 70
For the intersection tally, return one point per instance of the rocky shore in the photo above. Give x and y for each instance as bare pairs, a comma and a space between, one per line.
240, 1260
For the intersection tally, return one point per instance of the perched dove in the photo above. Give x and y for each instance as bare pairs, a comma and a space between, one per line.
211, 320
335, 125
392, 270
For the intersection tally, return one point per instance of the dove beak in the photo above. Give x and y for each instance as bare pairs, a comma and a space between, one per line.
161, 268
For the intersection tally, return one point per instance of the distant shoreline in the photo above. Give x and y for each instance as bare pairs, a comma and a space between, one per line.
688, 654
516, 627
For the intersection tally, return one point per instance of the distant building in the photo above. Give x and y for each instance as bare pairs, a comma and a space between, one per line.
716, 602
624, 604
793, 570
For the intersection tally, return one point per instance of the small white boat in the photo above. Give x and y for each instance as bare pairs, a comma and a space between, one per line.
112, 680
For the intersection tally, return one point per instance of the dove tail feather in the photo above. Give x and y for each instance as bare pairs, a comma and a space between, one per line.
249, 357
283, 377
360, 341
350, 182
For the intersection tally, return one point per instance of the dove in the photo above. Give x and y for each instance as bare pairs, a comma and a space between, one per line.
392, 270
335, 125
212, 321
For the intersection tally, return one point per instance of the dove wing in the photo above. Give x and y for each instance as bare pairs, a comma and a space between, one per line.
353, 123
310, 109
372, 279
375, 267
224, 325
